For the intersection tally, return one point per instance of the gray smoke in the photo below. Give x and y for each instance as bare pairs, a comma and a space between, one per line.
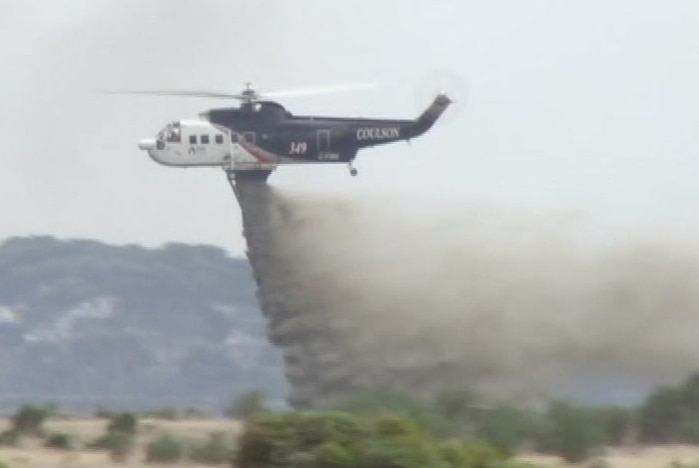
361, 294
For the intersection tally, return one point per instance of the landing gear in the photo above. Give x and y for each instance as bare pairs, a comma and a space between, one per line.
353, 171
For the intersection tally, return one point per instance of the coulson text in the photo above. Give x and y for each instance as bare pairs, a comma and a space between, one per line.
378, 133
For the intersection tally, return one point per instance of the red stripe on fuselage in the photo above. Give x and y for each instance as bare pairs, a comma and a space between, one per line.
257, 152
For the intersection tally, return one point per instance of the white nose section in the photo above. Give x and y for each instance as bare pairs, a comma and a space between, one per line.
146, 143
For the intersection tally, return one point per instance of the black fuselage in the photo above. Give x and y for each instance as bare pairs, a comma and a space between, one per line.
270, 127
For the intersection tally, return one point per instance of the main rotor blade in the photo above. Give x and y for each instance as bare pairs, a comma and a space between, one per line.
179, 92
318, 90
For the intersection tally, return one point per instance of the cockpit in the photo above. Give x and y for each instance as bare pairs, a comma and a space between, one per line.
170, 134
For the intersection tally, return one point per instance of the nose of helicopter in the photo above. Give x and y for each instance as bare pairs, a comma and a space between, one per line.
146, 143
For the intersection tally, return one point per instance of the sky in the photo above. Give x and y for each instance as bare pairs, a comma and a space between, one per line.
581, 110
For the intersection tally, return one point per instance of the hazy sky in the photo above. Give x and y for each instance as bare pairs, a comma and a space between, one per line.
581, 109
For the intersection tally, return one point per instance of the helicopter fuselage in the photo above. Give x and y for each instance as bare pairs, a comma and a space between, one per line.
261, 135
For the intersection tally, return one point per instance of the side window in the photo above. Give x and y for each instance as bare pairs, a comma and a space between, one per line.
234, 137
205, 139
219, 139
192, 139
249, 137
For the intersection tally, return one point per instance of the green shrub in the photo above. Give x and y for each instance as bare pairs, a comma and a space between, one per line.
29, 420
677, 464
215, 451
126, 423
619, 423
320, 439
9, 437
453, 453
119, 444
505, 427
421, 412
299, 460
165, 449
398, 452
333, 455
574, 432
246, 405
391, 425
60, 441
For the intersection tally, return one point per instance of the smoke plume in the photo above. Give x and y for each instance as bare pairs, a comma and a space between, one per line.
362, 295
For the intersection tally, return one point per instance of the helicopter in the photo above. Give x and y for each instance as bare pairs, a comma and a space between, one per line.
260, 134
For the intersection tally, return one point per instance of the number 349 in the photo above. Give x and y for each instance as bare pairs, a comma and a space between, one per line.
298, 147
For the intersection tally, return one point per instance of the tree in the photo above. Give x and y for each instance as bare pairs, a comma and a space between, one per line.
336, 439
662, 414
29, 419
574, 431
126, 423
379, 403
505, 427
165, 449
246, 405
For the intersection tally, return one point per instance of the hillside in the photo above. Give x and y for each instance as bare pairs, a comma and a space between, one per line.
85, 324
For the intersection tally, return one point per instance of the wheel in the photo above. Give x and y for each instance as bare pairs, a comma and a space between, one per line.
353, 172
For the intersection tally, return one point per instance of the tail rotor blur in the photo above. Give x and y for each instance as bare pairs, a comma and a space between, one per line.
443, 81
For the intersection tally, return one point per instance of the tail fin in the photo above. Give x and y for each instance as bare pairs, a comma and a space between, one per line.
431, 114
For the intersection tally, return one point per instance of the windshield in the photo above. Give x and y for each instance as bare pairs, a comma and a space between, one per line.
171, 133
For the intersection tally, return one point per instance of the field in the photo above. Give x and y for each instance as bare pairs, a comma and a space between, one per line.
31, 455
642, 457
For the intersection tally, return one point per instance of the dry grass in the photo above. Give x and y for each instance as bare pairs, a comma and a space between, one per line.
30, 454
641, 457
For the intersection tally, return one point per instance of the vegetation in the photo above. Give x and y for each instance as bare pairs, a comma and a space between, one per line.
119, 439
216, 450
126, 423
454, 429
338, 439
29, 419
60, 441
165, 449
671, 414
574, 432
246, 405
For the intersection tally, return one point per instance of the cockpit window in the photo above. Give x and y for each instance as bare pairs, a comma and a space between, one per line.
173, 135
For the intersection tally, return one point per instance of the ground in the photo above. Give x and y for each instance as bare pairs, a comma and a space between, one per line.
31, 455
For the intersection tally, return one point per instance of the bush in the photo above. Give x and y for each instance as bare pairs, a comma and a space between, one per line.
215, 451
119, 444
165, 449
29, 420
333, 455
319, 439
60, 441
575, 433
506, 428
126, 423
9, 438
246, 405
421, 412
